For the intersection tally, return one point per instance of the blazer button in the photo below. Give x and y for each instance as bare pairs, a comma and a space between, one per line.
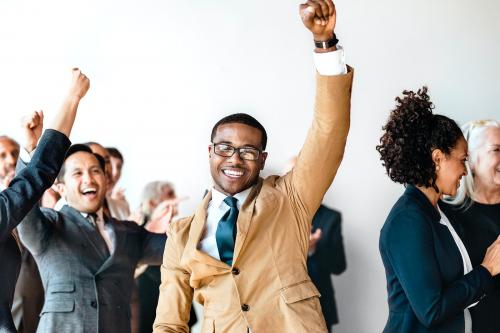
235, 271
245, 307
93, 304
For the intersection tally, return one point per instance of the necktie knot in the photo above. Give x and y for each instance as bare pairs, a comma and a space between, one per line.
231, 202
92, 217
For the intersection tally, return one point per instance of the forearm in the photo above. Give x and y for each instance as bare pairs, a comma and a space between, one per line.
323, 149
30, 183
65, 118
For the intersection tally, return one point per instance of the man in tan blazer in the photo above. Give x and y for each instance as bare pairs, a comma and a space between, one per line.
257, 281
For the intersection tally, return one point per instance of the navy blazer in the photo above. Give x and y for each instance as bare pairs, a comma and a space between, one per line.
15, 202
329, 258
426, 285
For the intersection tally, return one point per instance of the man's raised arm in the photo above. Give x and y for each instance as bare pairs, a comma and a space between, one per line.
323, 149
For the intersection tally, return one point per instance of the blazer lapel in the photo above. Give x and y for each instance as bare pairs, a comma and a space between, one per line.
119, 243
94, 238
245, 219
196, 232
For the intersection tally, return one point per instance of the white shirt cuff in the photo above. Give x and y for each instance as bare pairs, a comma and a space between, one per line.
331, 63
25, 156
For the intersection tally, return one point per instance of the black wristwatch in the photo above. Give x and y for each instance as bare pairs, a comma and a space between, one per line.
327, 43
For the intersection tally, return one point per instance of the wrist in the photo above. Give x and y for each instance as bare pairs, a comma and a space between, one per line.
29, 148
73, 99
323, 37
325, 42
489, 269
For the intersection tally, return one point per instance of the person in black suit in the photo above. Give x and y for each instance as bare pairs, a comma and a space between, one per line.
326, 258
27, 187
431, 282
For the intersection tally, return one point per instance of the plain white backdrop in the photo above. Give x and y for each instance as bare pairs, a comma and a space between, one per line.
163, 72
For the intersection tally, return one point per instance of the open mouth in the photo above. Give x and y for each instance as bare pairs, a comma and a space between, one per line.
233, 173
90, 193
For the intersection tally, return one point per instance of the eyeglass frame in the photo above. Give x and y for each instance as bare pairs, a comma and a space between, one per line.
259, 151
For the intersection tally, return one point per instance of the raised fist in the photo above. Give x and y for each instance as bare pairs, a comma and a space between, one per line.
319, 17
79, 84
32, 126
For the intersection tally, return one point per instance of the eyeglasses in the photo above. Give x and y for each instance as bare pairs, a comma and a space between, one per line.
245, 153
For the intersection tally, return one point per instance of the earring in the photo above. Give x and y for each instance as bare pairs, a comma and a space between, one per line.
437, 167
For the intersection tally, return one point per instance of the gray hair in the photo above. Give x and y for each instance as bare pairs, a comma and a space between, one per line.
474, 134
152, 191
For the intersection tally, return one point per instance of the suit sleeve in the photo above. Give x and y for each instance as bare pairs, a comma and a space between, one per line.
31, 182
330, 249
409, 245
322, 152
153, 247
176, 295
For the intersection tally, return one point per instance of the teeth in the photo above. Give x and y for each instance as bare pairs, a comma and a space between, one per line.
89, 190
233, 173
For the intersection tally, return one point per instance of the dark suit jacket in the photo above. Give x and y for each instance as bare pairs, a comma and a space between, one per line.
28, 298
329, 258
86, 290
15, 202
427, 288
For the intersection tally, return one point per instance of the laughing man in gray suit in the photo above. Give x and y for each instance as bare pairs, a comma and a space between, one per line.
86, 260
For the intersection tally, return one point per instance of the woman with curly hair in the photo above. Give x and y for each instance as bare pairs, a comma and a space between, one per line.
475, 211
430, 280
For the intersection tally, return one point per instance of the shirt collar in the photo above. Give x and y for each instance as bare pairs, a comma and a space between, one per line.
218, 197
99, 214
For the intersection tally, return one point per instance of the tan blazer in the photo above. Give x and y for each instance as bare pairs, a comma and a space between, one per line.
267, 289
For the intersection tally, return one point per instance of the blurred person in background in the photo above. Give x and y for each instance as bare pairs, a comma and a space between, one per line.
9, 152
155, 197
475, 211
118, 209
116, 159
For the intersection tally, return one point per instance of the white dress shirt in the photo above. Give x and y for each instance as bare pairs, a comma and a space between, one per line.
216, 210
467, 265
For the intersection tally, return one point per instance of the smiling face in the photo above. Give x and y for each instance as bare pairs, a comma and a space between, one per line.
233, 174
103, 152
486, 164
84, 182
9, 152
451, 168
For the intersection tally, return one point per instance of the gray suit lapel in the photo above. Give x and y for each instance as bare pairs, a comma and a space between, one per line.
119, 243
89, 231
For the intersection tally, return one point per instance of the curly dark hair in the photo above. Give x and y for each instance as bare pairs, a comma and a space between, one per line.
411, 134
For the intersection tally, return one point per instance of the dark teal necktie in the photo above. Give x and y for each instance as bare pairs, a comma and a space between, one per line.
225, 235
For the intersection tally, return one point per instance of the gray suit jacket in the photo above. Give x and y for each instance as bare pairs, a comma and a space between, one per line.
86, 290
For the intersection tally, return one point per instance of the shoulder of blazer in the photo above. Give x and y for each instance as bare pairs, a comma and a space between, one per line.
180, 226
52, 215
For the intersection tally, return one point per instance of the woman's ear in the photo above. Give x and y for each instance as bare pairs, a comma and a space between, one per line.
437, 158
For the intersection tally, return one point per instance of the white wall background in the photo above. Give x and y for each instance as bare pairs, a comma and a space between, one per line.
162, 73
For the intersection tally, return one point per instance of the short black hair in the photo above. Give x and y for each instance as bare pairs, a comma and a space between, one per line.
411, 134
78, 147
242, 118
114, 152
